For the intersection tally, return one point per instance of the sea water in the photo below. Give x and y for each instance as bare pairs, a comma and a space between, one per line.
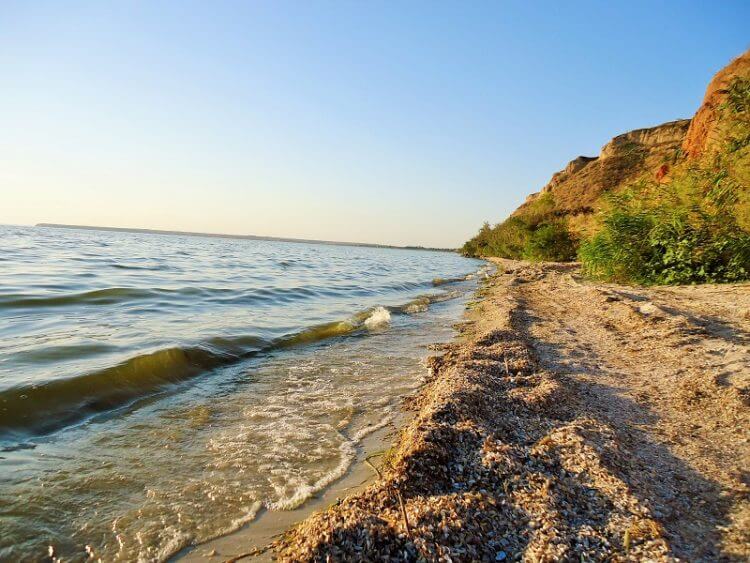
157, 391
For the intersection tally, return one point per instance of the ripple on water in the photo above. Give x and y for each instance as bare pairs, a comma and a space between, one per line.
263, 364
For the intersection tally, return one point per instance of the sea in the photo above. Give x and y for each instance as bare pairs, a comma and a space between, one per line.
158, 391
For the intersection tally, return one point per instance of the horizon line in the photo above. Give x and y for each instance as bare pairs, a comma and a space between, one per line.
233, 236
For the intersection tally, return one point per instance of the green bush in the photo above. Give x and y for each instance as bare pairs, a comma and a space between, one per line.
535, 235
550, 242
517, 239
692, 230
685, 232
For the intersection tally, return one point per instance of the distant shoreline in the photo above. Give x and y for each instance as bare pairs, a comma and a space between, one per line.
229, 236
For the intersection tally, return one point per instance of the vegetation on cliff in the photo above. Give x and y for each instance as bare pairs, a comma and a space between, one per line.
536, 235
691, 229
665, 205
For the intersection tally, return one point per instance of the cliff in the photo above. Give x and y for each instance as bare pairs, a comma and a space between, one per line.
706, 132
553, 222
577, 189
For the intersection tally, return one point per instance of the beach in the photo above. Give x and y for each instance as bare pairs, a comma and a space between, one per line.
258, 536
344, 281
570, 421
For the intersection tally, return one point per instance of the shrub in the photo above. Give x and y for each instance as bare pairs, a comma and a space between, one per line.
516, 239
550, 242
692, 230
535, 235
685, 232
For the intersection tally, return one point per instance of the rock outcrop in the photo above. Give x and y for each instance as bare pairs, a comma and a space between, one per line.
573, 166
651, 153
662, 138
704, 133
577, 189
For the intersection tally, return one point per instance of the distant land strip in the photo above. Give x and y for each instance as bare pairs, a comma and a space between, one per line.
246, 237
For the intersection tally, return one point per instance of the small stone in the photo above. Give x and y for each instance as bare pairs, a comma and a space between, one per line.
501, 555
648, 309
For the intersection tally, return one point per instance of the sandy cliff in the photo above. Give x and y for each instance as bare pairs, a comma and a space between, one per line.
705, 132
578, 187
651, 153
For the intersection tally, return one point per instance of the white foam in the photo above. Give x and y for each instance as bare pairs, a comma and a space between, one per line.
417, 306
372, 428
175, 543
348, 453
304, 492
378, 318
250, 513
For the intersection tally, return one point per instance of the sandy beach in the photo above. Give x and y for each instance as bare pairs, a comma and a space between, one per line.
571, 421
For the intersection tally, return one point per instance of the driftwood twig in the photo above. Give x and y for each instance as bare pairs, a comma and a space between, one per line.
403, 512
254, 553
395, 488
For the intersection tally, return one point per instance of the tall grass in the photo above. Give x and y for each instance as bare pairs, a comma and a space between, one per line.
684, 232
535, 235
695, 229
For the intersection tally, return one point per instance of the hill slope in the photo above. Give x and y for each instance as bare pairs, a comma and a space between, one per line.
576, 191
691, 172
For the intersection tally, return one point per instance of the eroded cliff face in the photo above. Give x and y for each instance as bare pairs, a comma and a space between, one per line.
577, 189
705, 133
660, 139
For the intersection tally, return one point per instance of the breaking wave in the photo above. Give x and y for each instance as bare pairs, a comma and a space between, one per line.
379, 317
44, 408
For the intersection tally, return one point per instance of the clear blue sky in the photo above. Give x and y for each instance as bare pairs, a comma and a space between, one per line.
391, 122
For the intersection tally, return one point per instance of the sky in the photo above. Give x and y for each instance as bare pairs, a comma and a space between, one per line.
402, 122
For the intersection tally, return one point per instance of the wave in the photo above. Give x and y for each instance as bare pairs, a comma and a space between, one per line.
379, 317
43, 408
443, 281
418, 305
423, 302
97, 297
135, 267
40, 409
224, 296
114, 295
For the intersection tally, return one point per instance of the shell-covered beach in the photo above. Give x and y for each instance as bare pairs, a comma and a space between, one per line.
572, 421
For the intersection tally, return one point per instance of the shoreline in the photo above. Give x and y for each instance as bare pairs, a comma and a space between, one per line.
259, 534
256, 539
569, 420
